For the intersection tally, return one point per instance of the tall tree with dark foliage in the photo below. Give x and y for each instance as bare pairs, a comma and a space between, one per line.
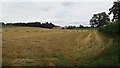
99, 20
115, 10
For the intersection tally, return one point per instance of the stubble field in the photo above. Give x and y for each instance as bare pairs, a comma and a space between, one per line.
28, 46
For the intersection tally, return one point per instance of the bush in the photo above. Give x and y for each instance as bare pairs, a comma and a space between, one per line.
111, 29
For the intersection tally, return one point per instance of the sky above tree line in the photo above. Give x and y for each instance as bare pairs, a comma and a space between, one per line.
61, 13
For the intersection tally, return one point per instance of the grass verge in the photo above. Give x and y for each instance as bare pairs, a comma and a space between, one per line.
85, 29
60, 60
110, 58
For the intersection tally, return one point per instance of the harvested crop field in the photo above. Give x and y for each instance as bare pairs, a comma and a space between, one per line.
28, 46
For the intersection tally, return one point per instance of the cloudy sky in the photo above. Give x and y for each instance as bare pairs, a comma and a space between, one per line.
63, 13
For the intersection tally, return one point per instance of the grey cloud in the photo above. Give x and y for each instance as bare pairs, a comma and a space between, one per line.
57, 0
62, 13
67, 3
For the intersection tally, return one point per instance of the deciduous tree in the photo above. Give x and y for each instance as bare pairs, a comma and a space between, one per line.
99, 20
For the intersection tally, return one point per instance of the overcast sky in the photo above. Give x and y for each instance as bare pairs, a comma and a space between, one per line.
67, 12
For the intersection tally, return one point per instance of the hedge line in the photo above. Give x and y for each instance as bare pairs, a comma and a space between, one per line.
111, 29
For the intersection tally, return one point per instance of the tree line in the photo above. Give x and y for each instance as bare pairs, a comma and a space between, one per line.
41, 25
73, 27
32, 24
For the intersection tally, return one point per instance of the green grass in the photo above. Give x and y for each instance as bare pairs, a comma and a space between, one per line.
85, 29
110, 58
60, 60
0, 25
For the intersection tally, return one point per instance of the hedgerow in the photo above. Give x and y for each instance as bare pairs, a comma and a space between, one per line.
111, 29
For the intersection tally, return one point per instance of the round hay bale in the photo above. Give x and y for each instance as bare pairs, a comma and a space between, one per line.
34, 30
6, 30
27, 31
15, 30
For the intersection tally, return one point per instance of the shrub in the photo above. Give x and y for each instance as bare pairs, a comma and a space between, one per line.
111, 29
